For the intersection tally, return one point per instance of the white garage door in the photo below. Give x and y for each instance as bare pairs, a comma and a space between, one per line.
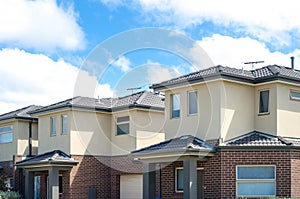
131, 186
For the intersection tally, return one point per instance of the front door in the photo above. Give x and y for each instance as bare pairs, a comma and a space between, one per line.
200, 183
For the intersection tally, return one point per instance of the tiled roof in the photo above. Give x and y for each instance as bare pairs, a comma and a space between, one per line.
55, 156
183, 143
140, 99
270, 72
261, 139
20, 113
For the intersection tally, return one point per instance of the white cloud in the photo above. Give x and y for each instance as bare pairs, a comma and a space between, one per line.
269, 21
123, 63
233, 52
40, 25
27, 78
158, 73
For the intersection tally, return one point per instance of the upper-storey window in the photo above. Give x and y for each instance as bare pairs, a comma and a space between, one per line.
264, 101
122, 125
64, 124
6, 134
175, 106
193, 102
295, 95
53, 126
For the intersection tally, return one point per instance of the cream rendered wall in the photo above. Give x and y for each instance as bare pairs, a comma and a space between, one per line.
266, 123
90, 133
23, 135
206, 124
288, 111
47, 142
237, 109
9, 148
146, 128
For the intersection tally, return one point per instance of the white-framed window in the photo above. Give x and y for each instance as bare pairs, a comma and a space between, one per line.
122, 126
264, 101
193, 102
64, 124
53, 126
256, 180
6, 134
295, 95
179, 178
175, 106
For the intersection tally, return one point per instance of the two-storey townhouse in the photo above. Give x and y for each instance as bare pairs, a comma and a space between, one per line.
230, 133
18, 137
84, 145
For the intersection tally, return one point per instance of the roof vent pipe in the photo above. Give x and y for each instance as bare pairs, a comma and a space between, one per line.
292, 62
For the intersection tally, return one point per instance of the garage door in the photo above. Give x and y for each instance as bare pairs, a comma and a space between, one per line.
131, 186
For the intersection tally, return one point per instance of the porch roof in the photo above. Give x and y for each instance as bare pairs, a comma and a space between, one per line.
52, 158
186, 145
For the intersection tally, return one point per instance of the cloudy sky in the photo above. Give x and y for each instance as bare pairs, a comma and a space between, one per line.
44, 45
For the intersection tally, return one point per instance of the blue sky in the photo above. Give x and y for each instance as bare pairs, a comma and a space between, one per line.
44, 44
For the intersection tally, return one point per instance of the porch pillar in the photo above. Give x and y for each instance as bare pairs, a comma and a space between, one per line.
190, 178
149, 181
29, 183
53, 190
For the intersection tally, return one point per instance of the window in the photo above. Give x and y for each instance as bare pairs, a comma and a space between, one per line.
6, 134
295, 95
193, 102
64, 124
256, 181
175, 104
179, 179
264, 101
123, 125
53, 126
60, 184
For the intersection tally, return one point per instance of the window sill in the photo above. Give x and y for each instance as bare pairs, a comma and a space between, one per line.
262, 114
192, 115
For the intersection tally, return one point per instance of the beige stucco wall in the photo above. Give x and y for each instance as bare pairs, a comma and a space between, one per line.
90, 133
288, 111
23, 134
9, 148
146, 128
46, 141
266, 123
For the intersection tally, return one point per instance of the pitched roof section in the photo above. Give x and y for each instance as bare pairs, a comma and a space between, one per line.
22, 113
183, 143
261, 139
52, 157
144, 99
267, 73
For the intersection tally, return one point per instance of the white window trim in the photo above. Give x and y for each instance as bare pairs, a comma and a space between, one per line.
8, 132
254, 180
188, 103
62, 125
294, 98
118, 123
181, 168
268, 112
53, 131
171, 105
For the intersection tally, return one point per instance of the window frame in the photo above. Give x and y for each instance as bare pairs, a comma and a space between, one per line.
259, 102
172, 103
255, 181
176, 178
188, 103
9, 131
126, 122
64, 131
53, 124
293, 97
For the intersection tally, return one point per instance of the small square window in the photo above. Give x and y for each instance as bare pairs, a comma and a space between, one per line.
175, 106
122, 126
295, 95
264, 101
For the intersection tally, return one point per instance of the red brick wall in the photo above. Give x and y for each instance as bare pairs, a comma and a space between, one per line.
295, 175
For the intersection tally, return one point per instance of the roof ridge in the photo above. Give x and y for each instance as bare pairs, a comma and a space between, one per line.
18, 110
